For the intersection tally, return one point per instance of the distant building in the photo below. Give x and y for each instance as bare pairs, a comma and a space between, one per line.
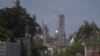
59, 41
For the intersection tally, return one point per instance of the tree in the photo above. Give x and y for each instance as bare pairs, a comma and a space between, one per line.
86, 31
4, 34
15, 20
74, 49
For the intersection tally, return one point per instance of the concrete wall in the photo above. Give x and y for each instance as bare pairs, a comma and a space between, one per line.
89, 49
9, 49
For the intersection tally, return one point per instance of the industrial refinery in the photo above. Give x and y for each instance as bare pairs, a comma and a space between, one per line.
59, 41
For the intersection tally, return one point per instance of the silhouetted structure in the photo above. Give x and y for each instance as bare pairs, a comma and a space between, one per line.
61, 32
16, 3
45, 33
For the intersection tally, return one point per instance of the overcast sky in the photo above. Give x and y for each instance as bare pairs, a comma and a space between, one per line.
75, 11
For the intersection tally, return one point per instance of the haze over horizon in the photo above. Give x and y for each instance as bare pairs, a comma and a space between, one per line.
75, 11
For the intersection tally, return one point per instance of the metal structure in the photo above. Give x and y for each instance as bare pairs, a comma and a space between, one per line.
45, 33
61, 32
59, 42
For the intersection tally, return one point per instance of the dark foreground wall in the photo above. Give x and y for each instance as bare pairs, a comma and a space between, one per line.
10, 49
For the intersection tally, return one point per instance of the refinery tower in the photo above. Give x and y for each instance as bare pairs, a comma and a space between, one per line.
61, 32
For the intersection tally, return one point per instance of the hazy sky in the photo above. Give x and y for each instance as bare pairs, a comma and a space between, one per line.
75, 11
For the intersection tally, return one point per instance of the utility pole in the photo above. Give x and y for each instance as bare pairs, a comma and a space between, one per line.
93, 46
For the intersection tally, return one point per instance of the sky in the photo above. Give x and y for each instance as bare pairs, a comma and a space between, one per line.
75, 11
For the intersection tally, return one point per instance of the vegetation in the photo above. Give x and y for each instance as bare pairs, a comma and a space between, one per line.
87, 32
76, 48
73, 50
4, 34
13, 22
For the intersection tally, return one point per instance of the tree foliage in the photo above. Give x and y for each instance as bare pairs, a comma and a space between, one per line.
4, 34
73, 50
15, 20
86, 31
